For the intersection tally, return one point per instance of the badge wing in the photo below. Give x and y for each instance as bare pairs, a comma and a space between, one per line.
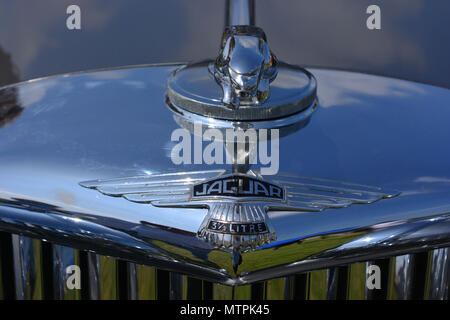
169, 189
314, 194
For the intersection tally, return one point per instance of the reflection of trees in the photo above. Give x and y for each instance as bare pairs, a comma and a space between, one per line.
9, 106
8, 73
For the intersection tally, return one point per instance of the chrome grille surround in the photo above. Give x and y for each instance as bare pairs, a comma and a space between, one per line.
423, 275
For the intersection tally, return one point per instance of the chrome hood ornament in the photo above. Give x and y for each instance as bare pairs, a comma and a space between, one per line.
245, 83
245, 66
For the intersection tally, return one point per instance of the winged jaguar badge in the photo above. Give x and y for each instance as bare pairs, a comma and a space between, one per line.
238, 204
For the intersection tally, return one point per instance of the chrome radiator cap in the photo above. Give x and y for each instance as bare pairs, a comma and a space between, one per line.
245, 83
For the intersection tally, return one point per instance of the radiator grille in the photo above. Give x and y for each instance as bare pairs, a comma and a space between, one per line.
35, 269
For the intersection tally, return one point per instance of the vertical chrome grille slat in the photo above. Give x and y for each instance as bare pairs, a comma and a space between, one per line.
142, 282
103, 277
27, 254
221, 292
356, 286
133, 283
94, 276
316, 288
332, 283
401, 276
63, 257
19, 269
243, 293
438, 275
278, 289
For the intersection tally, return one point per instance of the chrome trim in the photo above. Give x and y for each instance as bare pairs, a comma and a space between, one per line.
170, 189
142, 282
278, 289
356, 285
380, 241
94, 276
401, 283
438, 274
240, 12
193, 88
369, 243
315, 285
292, 123
64, 257
332, 282
221, 292
27, 268
103, 281
133, 282
237, 222
244, 72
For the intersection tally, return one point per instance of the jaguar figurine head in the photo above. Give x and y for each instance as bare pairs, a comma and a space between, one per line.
245, 66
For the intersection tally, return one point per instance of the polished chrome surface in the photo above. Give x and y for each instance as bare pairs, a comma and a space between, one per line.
64, 257
356, 286
27, 268
401, 282
221, 292
245, 67
172, 189
278, 289
379, 241
102, 277
251, 84
438, 275
142, 282
240, 12
364, 130
344, 282
331, 284
193, 88
295, 122
94, 276
317, 285
238, 204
